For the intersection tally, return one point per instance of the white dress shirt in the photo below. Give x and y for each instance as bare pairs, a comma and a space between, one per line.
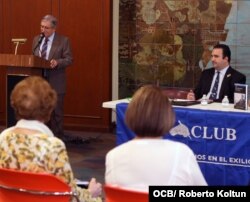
222, 74
50, 41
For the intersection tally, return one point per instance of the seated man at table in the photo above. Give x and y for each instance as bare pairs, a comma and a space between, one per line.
148, 159
218, 81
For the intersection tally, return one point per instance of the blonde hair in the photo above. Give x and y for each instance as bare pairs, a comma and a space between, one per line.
33, 99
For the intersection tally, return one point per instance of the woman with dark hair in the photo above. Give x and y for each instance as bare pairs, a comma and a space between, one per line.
148, 159
30, 145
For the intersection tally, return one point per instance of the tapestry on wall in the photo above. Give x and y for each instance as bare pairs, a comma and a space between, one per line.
169, 43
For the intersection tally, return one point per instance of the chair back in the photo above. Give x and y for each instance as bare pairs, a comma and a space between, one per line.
176, 93
116, 194
32, 187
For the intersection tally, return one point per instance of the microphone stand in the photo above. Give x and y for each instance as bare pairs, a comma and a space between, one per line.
39, 42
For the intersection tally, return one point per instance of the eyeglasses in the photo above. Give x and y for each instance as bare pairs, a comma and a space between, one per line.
45, 27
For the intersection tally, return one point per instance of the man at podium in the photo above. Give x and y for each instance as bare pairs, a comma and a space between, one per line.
56, 49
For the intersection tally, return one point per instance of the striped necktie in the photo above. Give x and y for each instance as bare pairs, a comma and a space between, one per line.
44, 48
215, 87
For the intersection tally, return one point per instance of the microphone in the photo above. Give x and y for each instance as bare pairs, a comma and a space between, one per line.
41, 38
39, 42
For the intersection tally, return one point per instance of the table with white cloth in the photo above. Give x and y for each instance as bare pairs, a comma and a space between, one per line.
219, 136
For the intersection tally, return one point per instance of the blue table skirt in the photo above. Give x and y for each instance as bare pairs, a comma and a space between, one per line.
220, 141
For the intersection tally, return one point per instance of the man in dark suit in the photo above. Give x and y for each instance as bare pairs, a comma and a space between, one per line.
218, 81
55, 48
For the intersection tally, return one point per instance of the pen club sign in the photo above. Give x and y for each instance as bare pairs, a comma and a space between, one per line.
216, 135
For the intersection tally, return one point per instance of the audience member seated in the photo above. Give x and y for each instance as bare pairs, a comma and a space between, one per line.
30, 145
148, 159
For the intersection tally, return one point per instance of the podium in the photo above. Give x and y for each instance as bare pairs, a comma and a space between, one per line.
18, 68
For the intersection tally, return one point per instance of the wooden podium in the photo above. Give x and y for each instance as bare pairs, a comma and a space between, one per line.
23, 64
18, 67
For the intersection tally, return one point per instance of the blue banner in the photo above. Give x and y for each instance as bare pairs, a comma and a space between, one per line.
220, 141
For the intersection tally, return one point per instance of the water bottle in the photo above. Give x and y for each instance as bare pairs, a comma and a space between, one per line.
225, 101
204, 100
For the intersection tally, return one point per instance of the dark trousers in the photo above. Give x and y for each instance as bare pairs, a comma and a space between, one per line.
56, 119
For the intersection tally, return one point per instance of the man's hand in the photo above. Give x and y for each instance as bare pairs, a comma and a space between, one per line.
53, 63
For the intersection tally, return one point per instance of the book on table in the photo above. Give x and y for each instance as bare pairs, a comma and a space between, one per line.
241, 96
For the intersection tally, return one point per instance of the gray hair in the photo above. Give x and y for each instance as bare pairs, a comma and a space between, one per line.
51, 19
